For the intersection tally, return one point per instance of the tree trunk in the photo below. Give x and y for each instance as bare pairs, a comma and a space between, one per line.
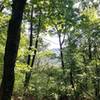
28, 74
12, 44
61, 53
71, 78
30, 47
89, 49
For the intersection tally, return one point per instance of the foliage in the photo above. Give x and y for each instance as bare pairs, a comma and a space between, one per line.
79, 29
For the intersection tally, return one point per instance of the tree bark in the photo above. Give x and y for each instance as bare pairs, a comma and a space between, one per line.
11, 49
30, 47
28, 74
61, 53
89, 49
71, 78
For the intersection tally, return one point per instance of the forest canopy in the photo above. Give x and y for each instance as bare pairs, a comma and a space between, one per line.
50, 49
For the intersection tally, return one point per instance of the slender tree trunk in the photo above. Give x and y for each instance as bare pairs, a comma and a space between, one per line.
28, 74
61, 48
71, 79
36, 42
61, 53
30, 47
89, 49
12, 44
62, 97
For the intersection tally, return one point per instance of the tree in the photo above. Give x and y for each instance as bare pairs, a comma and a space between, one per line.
11, 49
30, 46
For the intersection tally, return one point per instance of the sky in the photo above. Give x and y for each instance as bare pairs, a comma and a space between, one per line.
52, 40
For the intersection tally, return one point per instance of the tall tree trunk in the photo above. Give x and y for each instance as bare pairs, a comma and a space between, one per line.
37, 39
28, 74
61, 46
12, 44
30, 47
61, 53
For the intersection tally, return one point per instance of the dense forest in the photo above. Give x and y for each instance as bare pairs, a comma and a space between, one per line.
50, 50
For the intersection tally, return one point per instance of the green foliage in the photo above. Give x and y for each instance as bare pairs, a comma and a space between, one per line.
79, 29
